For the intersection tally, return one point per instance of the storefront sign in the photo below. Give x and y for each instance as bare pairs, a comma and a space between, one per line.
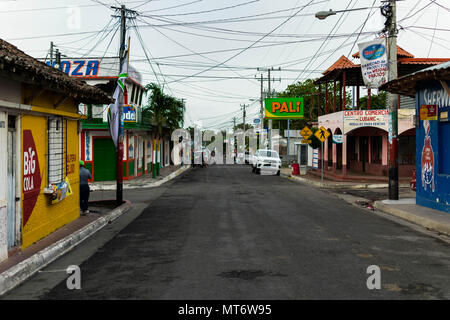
129, 114
438, 97
374, 63
284, 108
337, 138
428, 112
94, 68
354, 119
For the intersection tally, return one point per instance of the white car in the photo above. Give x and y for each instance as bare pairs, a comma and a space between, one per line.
266, 160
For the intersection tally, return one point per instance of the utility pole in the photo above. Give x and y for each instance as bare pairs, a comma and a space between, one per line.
243, 106
268, 96
270, 120
234, 123
119, 172
51, 53
57, 59
391, 25
261, 116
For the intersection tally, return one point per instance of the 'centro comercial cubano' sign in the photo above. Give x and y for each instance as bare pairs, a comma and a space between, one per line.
284, 108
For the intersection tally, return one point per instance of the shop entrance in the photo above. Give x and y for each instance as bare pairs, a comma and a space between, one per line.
11, 173
105, 160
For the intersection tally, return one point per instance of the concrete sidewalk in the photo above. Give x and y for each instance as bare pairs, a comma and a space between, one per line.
332, 184
406, 208
144, 181
23, 264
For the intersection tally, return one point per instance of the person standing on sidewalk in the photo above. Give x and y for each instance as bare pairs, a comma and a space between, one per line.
85, 175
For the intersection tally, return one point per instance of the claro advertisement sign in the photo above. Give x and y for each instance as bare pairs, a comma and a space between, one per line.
374, 63
283, 108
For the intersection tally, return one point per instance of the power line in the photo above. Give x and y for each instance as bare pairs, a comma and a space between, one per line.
65, 7
177, 6
207, 11
324, 41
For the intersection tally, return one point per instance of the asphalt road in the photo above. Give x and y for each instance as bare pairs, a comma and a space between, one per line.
224, 233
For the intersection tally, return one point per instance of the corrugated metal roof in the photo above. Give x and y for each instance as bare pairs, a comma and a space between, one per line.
406, 85
444, 65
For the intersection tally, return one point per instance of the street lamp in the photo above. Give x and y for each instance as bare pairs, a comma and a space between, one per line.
324, 14
321, 15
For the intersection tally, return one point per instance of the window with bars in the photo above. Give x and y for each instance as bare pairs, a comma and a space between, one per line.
57, 148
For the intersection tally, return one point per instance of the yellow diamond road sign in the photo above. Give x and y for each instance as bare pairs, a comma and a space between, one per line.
306, 132
322, 134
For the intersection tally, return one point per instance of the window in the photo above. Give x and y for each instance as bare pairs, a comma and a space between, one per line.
56, 150
133, 93
140, 97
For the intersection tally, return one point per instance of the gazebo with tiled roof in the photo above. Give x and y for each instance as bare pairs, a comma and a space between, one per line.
348, 73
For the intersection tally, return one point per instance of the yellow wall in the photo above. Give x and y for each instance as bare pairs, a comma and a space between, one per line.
47, 217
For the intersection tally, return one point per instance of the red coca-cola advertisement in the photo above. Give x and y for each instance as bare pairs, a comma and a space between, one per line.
427, 159
31, 181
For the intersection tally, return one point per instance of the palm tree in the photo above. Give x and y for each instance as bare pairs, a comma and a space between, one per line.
163, 110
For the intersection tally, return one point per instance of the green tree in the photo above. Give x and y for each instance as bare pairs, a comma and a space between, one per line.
163, 110
377, 101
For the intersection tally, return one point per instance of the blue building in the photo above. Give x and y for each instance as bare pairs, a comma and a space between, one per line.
431, 89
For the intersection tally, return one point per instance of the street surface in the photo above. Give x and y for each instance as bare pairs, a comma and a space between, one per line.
223, 232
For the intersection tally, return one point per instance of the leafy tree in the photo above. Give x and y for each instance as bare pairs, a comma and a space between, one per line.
377, 101
163, 110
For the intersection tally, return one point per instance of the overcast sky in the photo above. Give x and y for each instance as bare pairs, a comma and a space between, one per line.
181, 37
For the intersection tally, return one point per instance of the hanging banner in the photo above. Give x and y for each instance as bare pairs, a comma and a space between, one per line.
315, 159
374, 62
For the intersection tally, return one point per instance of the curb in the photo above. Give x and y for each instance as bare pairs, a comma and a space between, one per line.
17, 274
147, 185
337, 185
423, 221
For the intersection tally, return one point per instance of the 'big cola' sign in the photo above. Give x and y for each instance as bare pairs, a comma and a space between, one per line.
31, 177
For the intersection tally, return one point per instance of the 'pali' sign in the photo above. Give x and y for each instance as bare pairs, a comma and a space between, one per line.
284, 108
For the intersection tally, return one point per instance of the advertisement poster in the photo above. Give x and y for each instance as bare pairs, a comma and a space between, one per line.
374, 62
283, 108
31, 175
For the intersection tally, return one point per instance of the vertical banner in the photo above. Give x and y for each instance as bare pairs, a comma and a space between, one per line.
374, 62
315, 159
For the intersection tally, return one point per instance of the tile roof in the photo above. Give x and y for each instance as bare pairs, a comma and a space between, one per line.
16, 64
342, 63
